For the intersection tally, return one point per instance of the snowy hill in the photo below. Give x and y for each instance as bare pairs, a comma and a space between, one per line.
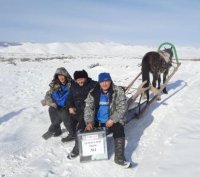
34, 50
164, 142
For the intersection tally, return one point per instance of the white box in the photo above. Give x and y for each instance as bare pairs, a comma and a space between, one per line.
93, 145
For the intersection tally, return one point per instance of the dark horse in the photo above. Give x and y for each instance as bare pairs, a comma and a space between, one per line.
156, 63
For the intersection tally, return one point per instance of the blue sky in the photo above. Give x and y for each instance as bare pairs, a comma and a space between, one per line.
126, 21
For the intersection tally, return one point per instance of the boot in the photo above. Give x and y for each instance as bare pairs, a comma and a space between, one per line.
75, 152
119, 153
68, 138
119, 150
47, 135
57, 133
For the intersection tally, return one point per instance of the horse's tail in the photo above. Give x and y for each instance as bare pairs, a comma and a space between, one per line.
145, 74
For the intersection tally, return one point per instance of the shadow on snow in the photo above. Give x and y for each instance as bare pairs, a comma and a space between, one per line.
10, 115
135, 128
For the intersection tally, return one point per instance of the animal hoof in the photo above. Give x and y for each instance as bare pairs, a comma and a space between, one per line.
165, 91
158, 98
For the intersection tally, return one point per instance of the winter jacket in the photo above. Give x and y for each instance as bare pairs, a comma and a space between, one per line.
60, 96
56, 86
117, 104
78, 94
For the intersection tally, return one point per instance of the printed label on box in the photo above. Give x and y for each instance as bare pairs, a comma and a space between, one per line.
92, 145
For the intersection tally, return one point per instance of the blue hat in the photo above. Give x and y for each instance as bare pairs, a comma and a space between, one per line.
104, 77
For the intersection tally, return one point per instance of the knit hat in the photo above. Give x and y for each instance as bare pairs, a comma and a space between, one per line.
80, 74
104, 77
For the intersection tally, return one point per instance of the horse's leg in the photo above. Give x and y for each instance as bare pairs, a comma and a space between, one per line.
155, 78
145, 77
164, 79
159, 81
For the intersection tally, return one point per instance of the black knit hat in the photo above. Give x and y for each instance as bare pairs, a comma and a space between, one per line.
80, 74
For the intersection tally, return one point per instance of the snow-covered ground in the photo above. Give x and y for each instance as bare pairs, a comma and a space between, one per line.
164, 142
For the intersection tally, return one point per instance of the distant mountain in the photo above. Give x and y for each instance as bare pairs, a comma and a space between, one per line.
92, 49
6, 44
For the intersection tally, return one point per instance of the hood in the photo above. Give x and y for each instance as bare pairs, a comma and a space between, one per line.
64, 72
60, 71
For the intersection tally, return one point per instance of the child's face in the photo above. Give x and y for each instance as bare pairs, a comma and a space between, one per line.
61, 78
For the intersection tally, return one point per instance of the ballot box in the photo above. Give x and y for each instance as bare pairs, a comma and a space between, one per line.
93, 145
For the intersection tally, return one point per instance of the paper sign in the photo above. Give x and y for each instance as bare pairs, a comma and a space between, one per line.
92, 145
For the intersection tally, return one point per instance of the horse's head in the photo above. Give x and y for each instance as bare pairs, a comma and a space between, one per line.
167, 55
170, 52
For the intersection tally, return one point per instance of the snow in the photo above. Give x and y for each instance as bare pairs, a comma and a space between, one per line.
163, 142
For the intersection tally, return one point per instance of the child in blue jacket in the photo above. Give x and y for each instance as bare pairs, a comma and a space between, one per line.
56, 99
